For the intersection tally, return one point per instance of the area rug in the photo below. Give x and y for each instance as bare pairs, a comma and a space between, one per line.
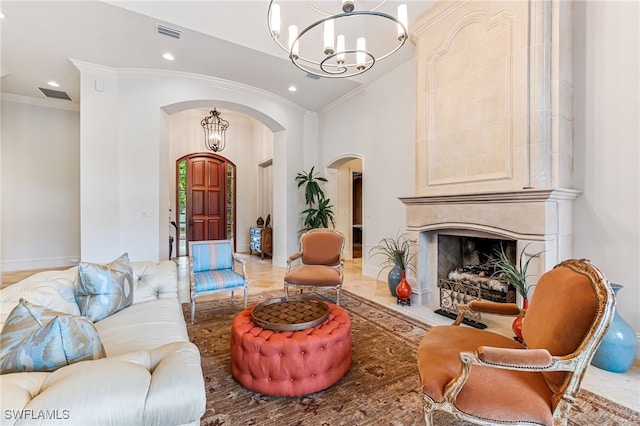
381, 387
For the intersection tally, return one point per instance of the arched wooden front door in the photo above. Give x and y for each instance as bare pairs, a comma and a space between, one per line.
205, 198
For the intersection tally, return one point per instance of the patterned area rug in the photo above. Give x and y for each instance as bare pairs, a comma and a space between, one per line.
381, 388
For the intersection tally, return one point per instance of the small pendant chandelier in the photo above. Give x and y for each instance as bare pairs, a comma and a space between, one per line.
335, 45
215, 131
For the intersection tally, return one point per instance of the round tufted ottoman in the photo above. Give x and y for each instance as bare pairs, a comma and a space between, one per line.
291, 363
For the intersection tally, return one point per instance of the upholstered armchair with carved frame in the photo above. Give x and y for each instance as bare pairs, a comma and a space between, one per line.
489, 379
212, 269
318, 264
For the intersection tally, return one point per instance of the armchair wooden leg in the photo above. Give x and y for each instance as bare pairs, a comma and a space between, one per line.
338, 297
428, 418
193, 310
286, 290
246, 297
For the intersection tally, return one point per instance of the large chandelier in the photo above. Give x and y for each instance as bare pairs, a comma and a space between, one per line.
317, 50
215, 131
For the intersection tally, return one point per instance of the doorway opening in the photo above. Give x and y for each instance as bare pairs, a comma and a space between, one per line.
356, 205
345, 190
205, 199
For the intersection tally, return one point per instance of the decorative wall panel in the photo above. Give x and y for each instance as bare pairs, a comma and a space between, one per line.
469, 101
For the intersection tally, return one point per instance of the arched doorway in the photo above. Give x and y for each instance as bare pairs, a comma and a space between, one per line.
345, 189
205, 199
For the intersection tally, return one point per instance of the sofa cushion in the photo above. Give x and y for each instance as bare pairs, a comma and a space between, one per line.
143, 326
104, 289
164, 386
43, 340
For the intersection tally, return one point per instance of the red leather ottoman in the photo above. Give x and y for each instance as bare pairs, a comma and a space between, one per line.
291, 363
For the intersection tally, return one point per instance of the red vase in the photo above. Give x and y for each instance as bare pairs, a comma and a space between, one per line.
403, 290
517, 323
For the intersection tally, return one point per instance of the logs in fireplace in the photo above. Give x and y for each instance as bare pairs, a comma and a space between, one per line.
470, 274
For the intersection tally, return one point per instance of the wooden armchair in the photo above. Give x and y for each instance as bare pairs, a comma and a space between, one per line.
319, 262
489, 379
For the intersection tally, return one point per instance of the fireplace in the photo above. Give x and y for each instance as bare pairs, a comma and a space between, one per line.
466, 272
494, 141
535, 220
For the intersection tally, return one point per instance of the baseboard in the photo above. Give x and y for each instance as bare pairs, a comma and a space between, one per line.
42, 263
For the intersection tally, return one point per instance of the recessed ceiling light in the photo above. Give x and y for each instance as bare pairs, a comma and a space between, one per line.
2, 15
292, 88
168, 56
53, 83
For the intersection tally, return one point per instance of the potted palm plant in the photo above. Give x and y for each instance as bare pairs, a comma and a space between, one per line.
319, 211
397, 255
516, 275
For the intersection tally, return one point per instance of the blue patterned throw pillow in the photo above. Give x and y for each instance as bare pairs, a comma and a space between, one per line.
103, 290
42, 340
23, 320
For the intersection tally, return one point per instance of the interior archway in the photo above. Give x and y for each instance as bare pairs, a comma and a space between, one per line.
345, 183
249, 144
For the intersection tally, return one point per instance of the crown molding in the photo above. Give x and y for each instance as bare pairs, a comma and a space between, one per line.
153, 74
47, 103
343, 99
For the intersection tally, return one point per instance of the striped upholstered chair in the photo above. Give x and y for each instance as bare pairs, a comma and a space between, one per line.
211, 270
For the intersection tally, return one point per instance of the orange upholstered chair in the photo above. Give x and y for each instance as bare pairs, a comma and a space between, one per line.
318, 264
486, 378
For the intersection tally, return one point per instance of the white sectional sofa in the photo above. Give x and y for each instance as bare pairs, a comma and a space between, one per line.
151, 374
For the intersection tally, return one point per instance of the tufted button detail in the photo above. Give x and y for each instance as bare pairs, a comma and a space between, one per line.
257, 353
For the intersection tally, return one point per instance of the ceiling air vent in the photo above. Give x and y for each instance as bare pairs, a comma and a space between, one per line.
168, 31
55, 94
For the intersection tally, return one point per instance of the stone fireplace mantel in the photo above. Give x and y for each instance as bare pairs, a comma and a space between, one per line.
535, 213
494, 131
540, 219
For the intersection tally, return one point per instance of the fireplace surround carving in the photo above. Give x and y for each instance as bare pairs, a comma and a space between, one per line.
494, 141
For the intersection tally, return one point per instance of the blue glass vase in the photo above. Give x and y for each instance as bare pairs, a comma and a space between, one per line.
393, 279
618, 347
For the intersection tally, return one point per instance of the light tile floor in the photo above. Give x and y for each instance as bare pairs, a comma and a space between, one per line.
622, 388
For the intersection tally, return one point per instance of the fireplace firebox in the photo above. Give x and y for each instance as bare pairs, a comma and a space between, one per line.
466, 272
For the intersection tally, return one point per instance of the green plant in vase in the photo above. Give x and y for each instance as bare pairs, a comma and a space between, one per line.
516, 275
319, 212
397, 255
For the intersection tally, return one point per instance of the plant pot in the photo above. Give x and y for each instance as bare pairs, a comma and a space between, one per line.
517, 323
393, 279
403, 291
617, 350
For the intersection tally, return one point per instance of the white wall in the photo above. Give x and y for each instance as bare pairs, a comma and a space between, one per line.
606, 139
40, 225
378, 125
128, 172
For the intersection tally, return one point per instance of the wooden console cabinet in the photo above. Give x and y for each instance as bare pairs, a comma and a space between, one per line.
260, 241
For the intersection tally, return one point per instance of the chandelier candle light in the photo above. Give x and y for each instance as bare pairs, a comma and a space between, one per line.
347, 54
215, 131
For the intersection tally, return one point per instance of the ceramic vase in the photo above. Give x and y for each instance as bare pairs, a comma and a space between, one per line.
403, 290
618, 347
393, 279
517, 323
